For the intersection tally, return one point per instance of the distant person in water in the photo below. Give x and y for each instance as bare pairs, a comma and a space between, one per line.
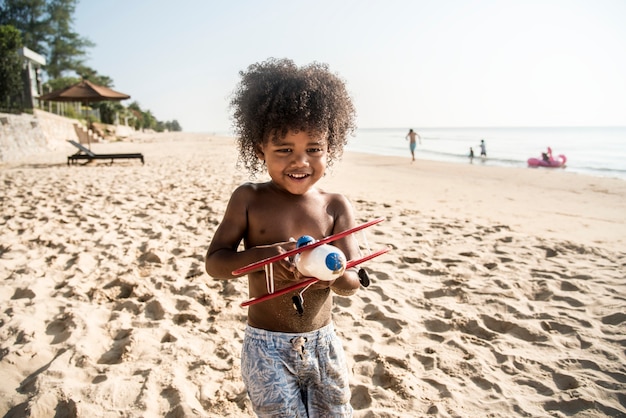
483, 149
471, 155
412, 143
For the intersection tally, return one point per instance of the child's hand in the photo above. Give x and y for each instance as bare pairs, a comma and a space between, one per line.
284, 271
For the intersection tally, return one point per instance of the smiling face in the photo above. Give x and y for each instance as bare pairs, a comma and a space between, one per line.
296, 162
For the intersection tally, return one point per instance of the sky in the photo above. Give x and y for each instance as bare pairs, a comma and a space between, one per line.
406, 63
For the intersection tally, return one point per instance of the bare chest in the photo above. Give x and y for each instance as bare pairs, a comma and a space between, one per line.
275, 219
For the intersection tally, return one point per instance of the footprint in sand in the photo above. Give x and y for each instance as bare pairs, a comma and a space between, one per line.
564, 381
184, 317
61, 328
23, 294
118, 289
389, 373
122, 343
373, 313
361, 398
614, 319
154, 310
506, 327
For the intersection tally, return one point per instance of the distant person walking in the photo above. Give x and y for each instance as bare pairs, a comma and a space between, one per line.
483, 149
412, 143
471, 155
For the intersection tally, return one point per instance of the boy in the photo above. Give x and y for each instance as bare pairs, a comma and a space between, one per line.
293, 122
412, 142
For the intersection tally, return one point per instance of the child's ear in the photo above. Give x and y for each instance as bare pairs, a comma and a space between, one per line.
259, 153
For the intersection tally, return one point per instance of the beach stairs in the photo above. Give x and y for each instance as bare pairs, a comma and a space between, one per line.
86, 136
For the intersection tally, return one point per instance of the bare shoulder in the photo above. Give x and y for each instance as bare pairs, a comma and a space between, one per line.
336, 199
239, 203
247, 191
340, 208
246, 188
251, 187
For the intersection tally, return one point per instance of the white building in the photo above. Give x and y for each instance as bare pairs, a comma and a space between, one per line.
31, 75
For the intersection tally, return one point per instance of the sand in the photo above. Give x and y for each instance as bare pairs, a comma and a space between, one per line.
504, 294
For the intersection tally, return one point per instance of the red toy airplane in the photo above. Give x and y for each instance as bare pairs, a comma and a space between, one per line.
267, 264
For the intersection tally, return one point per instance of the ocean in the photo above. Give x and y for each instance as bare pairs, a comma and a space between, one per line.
596, 151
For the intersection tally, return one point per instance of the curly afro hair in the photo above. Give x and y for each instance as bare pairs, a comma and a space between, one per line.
275, 97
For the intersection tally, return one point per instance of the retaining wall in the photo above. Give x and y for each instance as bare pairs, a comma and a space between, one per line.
26, 135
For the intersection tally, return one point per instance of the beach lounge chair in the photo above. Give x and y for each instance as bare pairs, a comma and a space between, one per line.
85, 153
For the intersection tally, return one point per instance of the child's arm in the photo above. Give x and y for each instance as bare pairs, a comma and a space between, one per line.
222, 257
345, 285
348, 283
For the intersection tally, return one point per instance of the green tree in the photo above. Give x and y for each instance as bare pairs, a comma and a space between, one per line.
11, 86
84, 73
173, 126
60, 83
92, 75
137, 115
149, 121
46, 28
67, 48
30, 18
144, 119
108, 110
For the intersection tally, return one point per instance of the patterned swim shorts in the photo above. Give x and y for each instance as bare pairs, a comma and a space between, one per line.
296, 375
